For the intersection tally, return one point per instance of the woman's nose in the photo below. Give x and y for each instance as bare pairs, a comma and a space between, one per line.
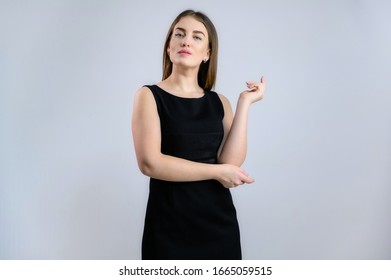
185, 41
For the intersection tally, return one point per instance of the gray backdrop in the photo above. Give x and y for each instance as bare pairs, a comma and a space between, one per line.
319, 143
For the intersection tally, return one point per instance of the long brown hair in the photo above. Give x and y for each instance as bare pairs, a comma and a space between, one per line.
208, 70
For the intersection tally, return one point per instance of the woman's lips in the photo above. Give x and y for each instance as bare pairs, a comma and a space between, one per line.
185, 52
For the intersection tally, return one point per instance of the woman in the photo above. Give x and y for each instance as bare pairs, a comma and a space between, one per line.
190, 145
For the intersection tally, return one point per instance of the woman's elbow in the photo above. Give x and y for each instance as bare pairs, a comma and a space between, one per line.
145, 168
233, 161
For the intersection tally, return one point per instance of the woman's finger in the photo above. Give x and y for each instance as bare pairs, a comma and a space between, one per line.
247, 180
263, 81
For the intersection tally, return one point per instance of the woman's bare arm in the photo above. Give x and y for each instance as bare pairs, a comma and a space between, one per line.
234, 147
153, 163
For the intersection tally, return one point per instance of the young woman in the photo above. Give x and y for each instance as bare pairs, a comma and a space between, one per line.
191, 146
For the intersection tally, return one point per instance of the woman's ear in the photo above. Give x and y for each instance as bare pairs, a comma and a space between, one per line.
208, 55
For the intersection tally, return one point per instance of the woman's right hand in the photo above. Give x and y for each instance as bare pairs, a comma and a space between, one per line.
232, 176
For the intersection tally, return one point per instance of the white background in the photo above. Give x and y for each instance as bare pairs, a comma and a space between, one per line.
319, 143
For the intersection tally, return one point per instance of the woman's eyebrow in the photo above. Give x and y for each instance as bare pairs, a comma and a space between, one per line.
180, 29
199, 32
184, 30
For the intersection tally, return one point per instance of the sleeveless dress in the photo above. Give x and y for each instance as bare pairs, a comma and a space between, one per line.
190, 220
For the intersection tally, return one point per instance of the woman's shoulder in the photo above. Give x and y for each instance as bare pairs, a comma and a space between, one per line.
222, 98
144, 95
147, 89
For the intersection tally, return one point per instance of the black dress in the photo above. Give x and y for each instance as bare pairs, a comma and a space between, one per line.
190, 220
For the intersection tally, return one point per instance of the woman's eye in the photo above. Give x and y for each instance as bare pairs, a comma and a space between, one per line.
197, 38
179, 35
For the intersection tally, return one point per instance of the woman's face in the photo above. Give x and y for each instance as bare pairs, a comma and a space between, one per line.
189, 43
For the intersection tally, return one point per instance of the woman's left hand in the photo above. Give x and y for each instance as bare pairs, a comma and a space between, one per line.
255, 92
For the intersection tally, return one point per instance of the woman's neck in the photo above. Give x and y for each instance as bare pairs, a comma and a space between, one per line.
185, 83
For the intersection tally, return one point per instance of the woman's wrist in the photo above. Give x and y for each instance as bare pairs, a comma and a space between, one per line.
216, 171
244, 100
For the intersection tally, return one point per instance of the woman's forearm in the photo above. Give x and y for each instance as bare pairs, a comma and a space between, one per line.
147, 141
175, 169
235, 147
